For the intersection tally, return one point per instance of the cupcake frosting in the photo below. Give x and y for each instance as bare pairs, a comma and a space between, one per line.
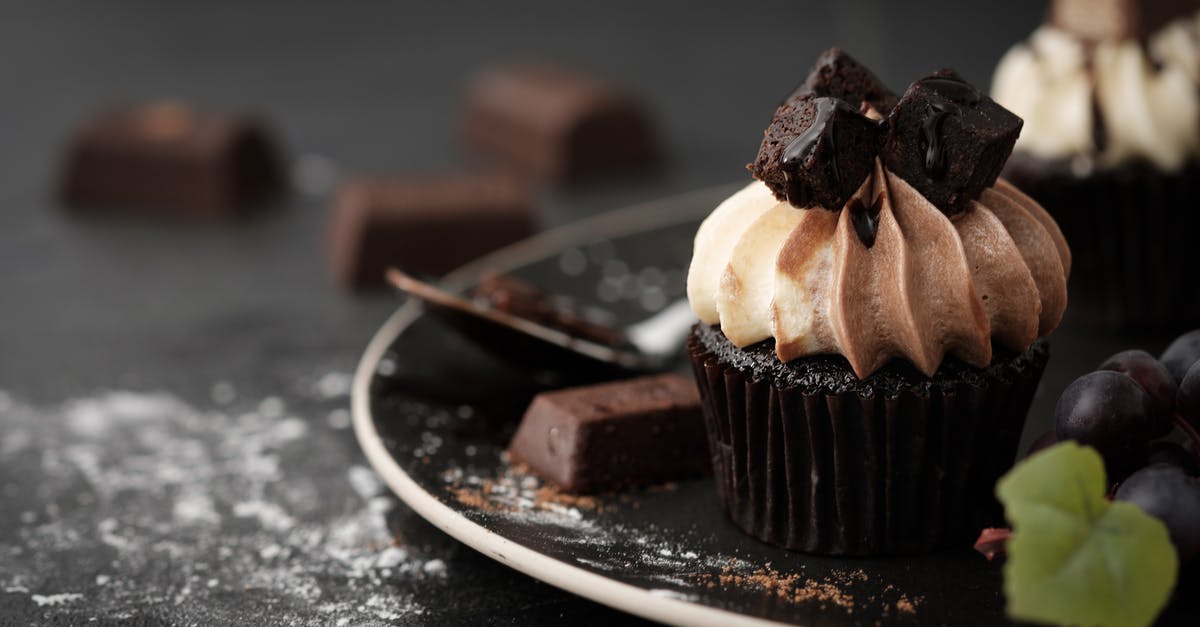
927, 286
1109, 102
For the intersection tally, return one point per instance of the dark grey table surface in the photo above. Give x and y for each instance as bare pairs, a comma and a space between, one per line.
173, 429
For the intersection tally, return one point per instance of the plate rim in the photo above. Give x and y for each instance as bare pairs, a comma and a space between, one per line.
621, 596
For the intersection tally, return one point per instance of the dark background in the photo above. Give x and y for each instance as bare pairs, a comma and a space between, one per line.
373, 87
89, 305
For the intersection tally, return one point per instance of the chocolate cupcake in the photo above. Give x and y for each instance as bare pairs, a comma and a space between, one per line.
1110, 95
871, 312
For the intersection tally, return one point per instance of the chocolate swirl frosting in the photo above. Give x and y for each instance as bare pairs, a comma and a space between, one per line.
928, 284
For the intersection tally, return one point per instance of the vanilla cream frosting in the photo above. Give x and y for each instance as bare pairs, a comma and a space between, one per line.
1146, 95
929, 286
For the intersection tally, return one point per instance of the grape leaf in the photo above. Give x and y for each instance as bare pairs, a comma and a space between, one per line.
1074, 557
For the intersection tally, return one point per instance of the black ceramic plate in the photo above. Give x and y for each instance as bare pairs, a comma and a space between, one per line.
433, 414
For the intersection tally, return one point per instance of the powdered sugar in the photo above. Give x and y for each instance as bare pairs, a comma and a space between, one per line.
333, 385
195, 507
518, 496
205, 498
56, 599
338, 419
364, 481
270, 515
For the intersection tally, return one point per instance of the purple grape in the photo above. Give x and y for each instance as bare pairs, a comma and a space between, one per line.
1154, 378
1169, 494
1188, 400
1182, 353
1045, 440
1172, 454
1109, 412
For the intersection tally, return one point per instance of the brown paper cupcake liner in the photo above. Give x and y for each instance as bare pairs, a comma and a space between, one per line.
862, 474
1132, 233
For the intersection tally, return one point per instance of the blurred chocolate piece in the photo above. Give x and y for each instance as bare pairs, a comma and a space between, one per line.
169, 159
424, 224
817, 152
524, 300
557, 124
1104, 20
948, 140
838, 75
605, 437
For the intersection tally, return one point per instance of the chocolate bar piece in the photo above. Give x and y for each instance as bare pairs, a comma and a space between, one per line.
604, 437
817, 152
424, 224
838, 75
948, 140
557, 124
524, 300
170, 159
1102, 20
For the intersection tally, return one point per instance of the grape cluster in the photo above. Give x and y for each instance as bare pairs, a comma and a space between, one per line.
1133, 410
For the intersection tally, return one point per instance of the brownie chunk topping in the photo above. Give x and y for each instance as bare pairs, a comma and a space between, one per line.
817, 152
838, 75
943, 136
948, 140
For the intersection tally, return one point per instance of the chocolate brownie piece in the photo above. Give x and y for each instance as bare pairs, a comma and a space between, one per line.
839, 75
604, 437
817, 152
168, 159
1101, 20
558, 123
948, 140
424, 223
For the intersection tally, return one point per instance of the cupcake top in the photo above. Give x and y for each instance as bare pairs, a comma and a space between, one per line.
1103, 84
878, 230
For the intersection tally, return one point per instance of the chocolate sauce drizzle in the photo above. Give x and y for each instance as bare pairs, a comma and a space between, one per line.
960, 94
800, 149
931, 133
866, 219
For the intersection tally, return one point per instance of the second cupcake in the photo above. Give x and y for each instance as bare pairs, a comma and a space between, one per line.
1111, 102
871, 312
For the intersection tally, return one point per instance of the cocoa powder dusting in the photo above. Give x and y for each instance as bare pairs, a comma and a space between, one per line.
473, 499
552, 494
515, 491
793, 587
832, 590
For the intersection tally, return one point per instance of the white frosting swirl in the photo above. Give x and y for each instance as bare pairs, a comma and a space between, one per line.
1147, 96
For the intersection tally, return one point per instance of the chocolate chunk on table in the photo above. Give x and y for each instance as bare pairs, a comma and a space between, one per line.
424, 224
1100, 20
525, 300
170, 159
839, 75
613, 435
817, 152
948, 140
557, 124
